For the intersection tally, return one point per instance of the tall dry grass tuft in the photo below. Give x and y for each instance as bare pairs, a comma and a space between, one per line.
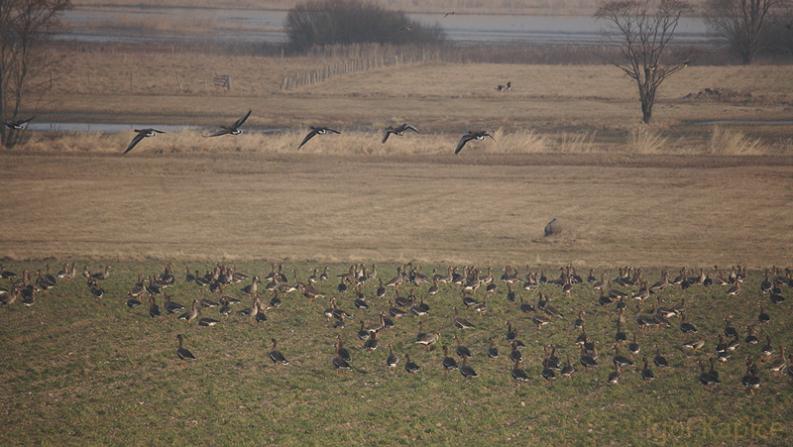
733, 142
576, 143
645, 140
359, 143
529, 142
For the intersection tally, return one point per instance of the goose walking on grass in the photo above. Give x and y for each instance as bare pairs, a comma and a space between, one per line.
448, 362
468, 136
139, 136
182, 352
234, 129
411, 366
275, 355
398, 131
317, 131
466, 370
519, 374
391, 360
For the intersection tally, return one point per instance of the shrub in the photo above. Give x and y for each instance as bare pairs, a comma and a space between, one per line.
328, 22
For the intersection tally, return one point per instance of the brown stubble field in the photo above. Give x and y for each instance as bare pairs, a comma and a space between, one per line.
476, 208
174, 88
563, 138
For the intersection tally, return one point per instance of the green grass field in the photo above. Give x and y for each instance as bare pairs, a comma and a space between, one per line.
84, 371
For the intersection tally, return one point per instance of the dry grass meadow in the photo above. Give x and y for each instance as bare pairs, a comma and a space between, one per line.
650, 210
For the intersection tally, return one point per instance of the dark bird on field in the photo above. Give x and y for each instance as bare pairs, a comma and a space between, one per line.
318, 131
451, 13
468, 136
276, 356
17, 124
141, 134
234, 129
398, 130
183, 352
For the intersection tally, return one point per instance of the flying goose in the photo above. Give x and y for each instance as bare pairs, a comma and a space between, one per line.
317, 131
470, 135
139, 136
399, 130
234, 129
17, 124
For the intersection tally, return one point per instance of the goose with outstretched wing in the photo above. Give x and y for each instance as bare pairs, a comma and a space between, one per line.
468, 136
139, 136
234, 129
317, 131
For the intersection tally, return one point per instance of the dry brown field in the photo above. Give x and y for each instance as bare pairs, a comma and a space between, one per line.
646, 210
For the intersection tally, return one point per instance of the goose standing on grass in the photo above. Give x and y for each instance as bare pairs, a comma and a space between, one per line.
647, 373
466, 370
192, 314
398, 131
275, 355
234, 129
391, 360
659, 360
448, 363
709, 377
411, 366
519, 374
468, 136
182, 352
751, 379
317, 131
154, 309
141, 134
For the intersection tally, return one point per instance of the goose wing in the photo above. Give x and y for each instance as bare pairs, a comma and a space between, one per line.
328, 129
22, 122
140, 135
465, 139
386, 134
406, 127
222, 131
310, 135
242, 120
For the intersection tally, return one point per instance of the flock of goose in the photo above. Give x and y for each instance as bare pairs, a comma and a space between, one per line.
358, 286
236, 129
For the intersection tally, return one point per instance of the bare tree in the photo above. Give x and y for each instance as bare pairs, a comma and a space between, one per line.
23, 24
646, 28
741, 22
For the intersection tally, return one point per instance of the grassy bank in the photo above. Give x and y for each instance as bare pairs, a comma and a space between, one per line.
83, 370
